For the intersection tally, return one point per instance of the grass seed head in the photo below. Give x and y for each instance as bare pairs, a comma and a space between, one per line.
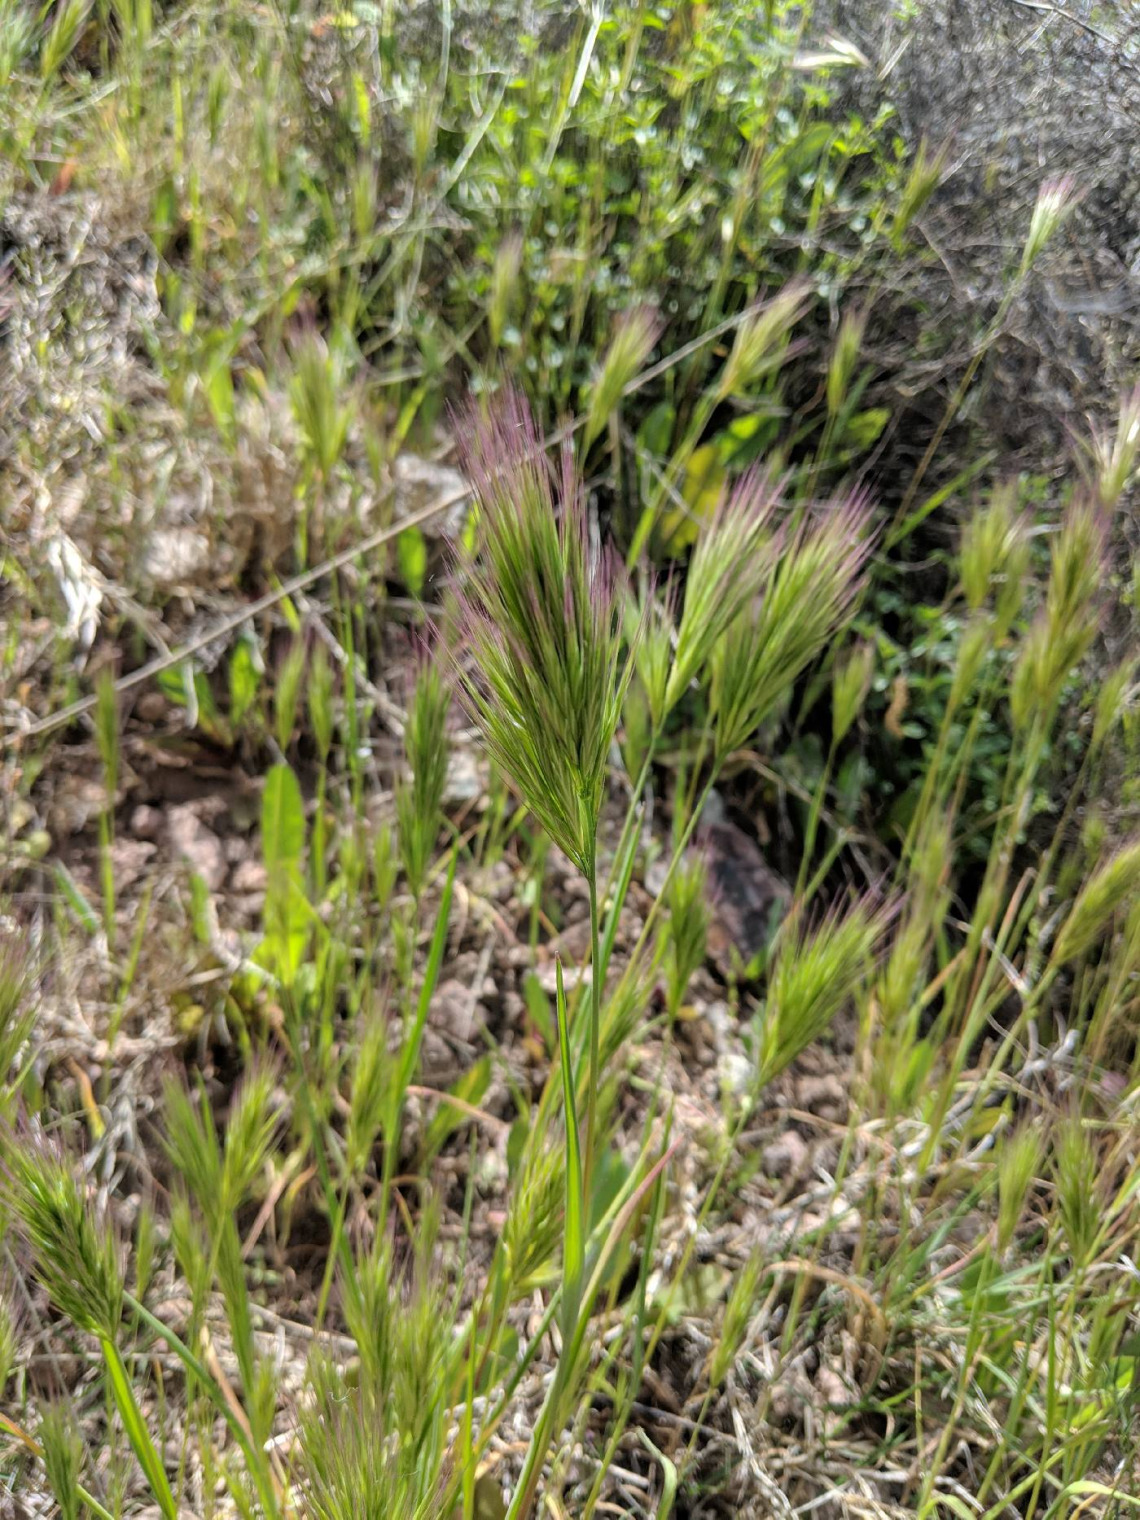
1114, 886
739, 1311
816, 973
533, 1229
991, 539
930, 866
1056, 201
1113, 699
352, 1463
1019, 1160
74, 1255
850, 683
844, 358
191, 1141
1076, 1166
635, 333
17, 1013
729, 566
761, 339
973, 647
651, 622
1064, 630
687, 898
808, 596
370, 1299
1116, 455
316, 391
8, 1327
923, 180
899, 983
251, 1125
543, 670
1032, 679
1077, 569
370, 1085
62, 1446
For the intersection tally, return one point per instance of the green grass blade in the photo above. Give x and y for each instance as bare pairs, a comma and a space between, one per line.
136, 1430
75, 899
282, 819
669, 1481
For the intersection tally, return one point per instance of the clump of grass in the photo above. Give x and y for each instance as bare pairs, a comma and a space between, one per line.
351, 1466
63, 1452
816, 973
1000, 1271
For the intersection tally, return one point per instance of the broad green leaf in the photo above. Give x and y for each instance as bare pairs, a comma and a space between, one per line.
700, 491
750, 437
411, 557
656, 433
704, 481
864, 428
282, 819
245, 677
289, 921
218, 386
176, 683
